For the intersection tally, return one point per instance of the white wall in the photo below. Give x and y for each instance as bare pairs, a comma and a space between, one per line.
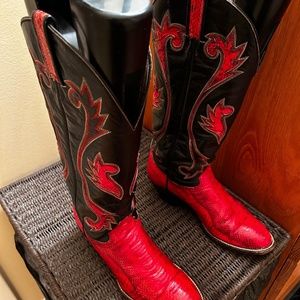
26, 139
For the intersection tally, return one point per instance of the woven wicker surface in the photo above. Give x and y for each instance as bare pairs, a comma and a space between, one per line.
39, 208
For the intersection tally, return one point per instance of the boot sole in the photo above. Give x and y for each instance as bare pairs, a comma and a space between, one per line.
125, 294
201, 295
176, 201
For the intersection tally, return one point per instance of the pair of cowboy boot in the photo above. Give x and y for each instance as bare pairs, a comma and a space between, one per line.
91, 61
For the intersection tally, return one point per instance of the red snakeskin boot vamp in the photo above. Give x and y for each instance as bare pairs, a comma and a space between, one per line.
142, 270
223, 217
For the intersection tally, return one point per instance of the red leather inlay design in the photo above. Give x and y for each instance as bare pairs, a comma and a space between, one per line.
215, 122
82, 98
230, 59
100, 173
165, 33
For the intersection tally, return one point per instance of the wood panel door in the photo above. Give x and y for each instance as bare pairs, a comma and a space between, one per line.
260, 158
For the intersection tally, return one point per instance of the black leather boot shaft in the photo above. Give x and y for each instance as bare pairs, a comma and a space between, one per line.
205, 55
265, 16
97, 142
53, 7
122, 60
61, 12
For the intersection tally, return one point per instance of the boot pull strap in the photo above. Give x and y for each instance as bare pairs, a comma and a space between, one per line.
196, 17
40, 21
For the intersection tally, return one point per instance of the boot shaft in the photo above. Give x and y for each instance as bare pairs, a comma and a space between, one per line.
122, 41
98, 144
205, 53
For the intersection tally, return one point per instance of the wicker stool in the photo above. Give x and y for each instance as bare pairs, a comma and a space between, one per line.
66, 267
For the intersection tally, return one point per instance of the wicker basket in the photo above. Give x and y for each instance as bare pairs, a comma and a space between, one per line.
66, 267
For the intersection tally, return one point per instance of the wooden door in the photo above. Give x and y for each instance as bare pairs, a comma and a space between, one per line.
260, 158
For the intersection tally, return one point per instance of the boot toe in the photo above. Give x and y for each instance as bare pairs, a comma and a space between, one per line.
182, 288
256, 239
243, 231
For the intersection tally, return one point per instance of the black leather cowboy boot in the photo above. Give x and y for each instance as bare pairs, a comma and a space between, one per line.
98, 141
205, 54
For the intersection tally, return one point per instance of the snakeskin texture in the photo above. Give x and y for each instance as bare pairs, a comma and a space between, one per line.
223, 217
141, 269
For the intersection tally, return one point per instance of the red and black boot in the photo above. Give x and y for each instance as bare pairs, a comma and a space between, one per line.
98, 124
205, 55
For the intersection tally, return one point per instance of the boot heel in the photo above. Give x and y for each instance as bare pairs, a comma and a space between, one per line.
168, 197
